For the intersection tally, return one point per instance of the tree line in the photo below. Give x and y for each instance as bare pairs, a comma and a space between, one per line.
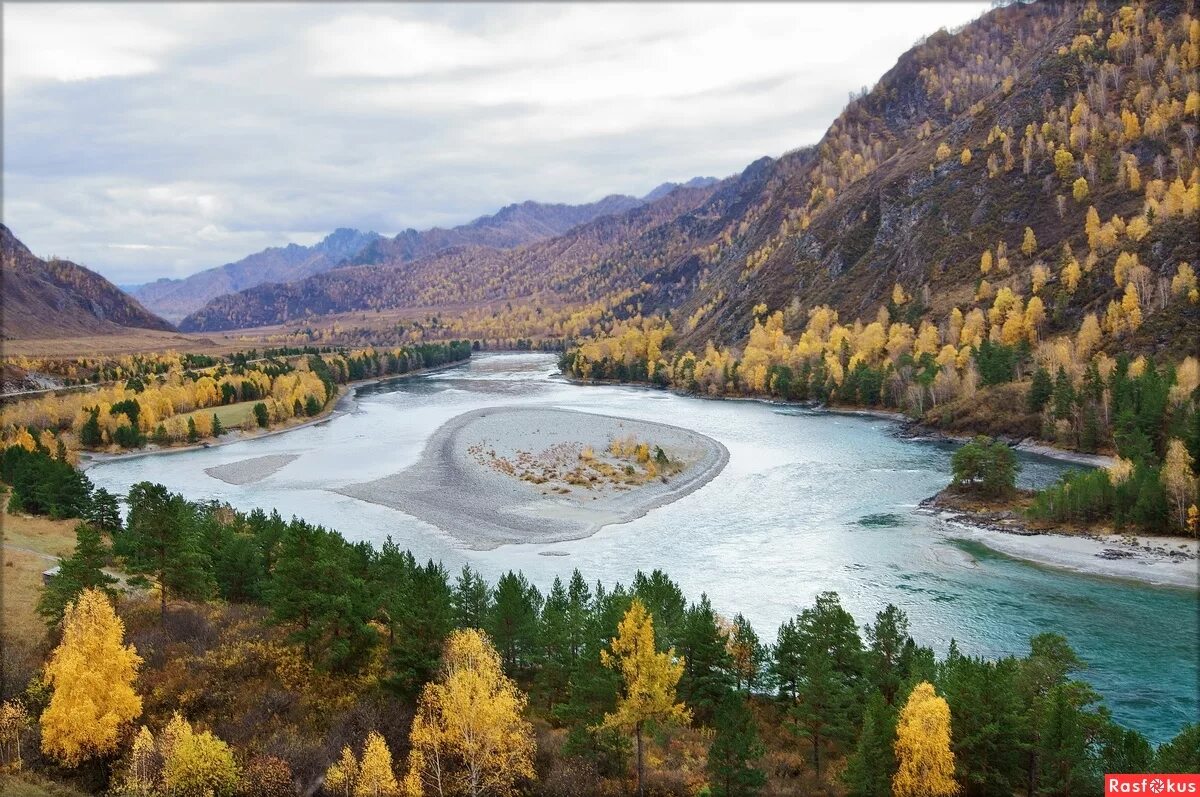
619, 670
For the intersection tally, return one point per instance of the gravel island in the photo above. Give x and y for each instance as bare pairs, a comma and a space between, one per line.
505, 475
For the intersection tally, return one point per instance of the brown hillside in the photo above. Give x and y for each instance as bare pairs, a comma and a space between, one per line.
57, 298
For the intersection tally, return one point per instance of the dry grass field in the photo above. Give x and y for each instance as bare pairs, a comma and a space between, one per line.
31, 546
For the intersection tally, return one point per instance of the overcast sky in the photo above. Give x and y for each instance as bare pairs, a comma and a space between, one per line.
158, 140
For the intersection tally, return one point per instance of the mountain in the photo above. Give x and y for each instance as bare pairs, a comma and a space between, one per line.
464, 273
57, 298
512, 226
1074, 122
175, 298
665, 188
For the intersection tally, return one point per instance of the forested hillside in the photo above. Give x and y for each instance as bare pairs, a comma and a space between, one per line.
513, 225
598, 260
57, 298
175, 298
1038, 162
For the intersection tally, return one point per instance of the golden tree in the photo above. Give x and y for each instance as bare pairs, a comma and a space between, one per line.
375, 775
342, 775
92, 672
1029, 242
650, 679
195, 764
923, 755
1178, 479
469, 736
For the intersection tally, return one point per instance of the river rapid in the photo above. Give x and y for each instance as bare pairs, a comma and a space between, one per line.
809, 501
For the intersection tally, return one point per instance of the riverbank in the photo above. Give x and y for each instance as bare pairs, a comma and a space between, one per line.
344, 402
505, 475
909, 428
1158, 561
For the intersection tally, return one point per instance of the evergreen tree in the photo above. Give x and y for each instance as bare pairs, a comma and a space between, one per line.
415, 604
193, 434
664, 600
870, 769
261, 415
748, 654
735, 749
76, 573
887, 640
1064, 395
820, 663
104, 512
161, 540
707, 679
1040, 390
217, 428
988, 726
471, 600
89, 432
557, 656
317, 587
1066, 765
1181, 754
513, 622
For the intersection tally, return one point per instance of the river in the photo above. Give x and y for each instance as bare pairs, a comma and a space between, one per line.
809, 501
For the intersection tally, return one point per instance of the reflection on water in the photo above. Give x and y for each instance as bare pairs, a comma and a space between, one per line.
809, 501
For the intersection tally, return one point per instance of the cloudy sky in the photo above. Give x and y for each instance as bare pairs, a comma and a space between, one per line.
157, 140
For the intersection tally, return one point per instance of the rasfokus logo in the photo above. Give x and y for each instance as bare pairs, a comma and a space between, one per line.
1151, 784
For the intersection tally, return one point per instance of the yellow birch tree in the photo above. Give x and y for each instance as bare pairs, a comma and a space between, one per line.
92, 672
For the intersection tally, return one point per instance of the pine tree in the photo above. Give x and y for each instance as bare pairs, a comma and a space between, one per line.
104, 512
92, 672
748, 654
707, 677
512, 622
822, 658
888, 639
734, 750
81, 570
650, 679
161, 540
925, 762
870, 769
1041, 390
472, 600
558, 657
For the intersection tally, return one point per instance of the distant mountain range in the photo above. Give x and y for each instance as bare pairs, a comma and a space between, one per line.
57, 298
175, 298
512, 226
596, 252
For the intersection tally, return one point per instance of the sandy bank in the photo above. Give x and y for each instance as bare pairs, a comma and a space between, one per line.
482, 477
247, 471
1160, 561
343, 403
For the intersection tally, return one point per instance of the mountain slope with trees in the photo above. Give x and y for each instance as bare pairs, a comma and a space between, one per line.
598, 259
58, 298
514, 225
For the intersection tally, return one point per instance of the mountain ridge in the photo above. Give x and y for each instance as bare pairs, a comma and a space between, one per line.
58, 298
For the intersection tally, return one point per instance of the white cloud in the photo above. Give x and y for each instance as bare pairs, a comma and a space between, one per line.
79, 42
204, 132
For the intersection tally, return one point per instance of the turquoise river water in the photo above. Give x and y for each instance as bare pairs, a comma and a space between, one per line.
810, 501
